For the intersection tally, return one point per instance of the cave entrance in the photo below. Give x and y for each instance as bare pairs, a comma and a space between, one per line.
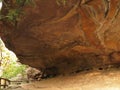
9, 63
12, 69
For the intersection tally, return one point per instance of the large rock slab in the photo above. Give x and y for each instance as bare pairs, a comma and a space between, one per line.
64, 38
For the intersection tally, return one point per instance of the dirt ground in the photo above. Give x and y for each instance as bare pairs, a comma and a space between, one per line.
91, 80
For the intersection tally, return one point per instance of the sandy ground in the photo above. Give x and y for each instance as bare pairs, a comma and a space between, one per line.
92, 80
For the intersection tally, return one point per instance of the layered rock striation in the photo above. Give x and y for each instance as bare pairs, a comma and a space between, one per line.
64, 38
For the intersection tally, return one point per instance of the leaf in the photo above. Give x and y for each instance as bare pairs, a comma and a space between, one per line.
20, 2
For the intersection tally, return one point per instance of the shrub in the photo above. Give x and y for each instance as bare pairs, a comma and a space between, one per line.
13, 69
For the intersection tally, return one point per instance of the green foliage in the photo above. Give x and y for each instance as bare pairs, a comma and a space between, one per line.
8, 63
13, 69
13, 9
13, 15
25, 2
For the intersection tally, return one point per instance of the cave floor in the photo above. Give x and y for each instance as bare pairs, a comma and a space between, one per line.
90, 80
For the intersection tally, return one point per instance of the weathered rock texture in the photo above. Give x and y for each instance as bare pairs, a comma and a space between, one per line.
65, 38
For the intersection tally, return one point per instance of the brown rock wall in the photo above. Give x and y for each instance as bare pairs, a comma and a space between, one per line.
67, 38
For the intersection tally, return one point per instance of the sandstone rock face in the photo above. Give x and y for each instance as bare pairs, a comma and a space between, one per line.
64, 38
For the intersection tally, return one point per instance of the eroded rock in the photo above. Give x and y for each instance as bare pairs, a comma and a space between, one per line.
77, 35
